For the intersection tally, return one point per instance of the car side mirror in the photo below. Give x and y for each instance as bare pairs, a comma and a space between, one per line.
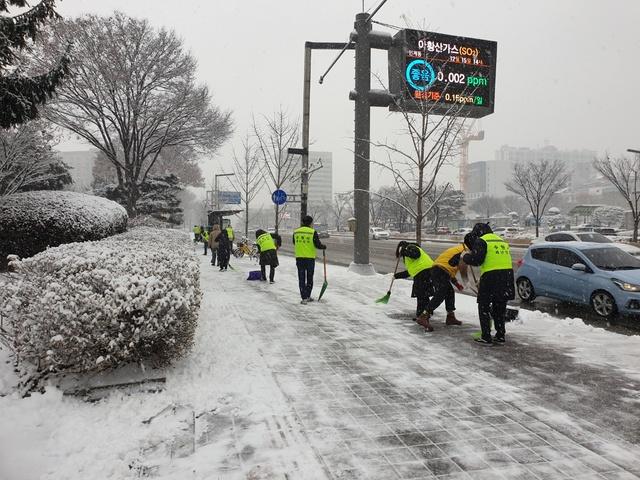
580, 267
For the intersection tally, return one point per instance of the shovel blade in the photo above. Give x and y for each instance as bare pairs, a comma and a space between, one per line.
324, 287
384, 299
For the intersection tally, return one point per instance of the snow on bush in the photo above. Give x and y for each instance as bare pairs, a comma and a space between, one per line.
96, 305
32, 221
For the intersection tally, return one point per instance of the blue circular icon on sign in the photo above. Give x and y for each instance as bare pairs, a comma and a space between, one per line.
279, 197
420, 75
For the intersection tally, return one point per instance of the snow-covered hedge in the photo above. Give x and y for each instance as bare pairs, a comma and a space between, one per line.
32, 221
96, 305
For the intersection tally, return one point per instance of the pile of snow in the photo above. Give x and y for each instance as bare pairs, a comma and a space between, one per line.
33, 221
96, 305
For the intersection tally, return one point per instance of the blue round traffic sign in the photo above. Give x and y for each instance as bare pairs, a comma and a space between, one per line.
279, 197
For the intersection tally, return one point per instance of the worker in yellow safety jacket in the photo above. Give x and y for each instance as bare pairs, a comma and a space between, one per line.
444, 276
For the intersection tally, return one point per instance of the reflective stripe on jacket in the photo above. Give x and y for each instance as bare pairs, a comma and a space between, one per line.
415, 266
498, 255
304, 246
265, 242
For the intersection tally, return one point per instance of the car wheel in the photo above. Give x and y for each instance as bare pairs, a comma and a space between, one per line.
375, 237
603, 304
525, 289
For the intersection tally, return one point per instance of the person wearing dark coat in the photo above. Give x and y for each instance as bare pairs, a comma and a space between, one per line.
224, 250
418, 265
492, 254
268, 245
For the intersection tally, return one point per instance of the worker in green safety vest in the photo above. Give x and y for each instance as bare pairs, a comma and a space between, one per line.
492, 254
205, 239
305, 241
268, 245
418, 264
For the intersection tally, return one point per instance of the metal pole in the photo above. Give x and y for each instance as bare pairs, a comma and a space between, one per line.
361, 141
304, 183
215, 185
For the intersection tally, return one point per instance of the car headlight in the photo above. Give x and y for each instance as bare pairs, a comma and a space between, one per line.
627, 287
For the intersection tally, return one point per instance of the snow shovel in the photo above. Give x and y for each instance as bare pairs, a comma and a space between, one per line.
324, 284
385, 299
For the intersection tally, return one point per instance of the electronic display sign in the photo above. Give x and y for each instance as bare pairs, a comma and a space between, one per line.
449, 75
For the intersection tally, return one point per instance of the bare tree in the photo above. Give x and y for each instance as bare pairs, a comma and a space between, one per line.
27, 160
486, 205
132, 94
537, 182
248, 179
624, 174
277, 134
446, 204
433, 142
179, 161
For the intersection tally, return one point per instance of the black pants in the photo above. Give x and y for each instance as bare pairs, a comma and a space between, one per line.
205, 247
422, 290
272, 272
489, 310
306, 267
214, 255
223, 259
443, 291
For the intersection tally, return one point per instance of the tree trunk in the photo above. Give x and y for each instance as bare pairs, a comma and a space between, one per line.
132, 199
636, 221
246, 219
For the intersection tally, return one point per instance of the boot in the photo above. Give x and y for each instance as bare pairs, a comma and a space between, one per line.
424, 321
452, 320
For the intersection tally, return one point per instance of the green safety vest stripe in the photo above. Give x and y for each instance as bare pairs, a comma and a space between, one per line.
498, 254
229, 233
417, 265
265, 242
304, 246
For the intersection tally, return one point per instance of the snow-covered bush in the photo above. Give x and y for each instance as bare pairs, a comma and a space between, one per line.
32, 221
96, 305
608, 216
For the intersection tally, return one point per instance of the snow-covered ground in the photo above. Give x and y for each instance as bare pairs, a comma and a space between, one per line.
345, 388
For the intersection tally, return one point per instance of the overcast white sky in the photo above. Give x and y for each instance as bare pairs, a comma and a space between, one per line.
567, 71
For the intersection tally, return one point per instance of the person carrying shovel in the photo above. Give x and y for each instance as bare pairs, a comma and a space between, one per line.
305, 241
418, 265
492, 254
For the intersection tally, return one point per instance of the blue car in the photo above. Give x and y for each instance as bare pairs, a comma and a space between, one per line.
595, 274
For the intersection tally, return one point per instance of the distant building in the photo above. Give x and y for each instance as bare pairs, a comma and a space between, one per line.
320, 194
81, 163
488, 178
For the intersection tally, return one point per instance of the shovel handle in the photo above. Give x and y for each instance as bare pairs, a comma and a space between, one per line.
394, 274
324, 261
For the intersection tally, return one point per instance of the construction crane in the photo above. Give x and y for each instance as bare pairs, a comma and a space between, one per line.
463, 171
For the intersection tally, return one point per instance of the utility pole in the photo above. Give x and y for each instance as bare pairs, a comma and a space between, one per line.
361, 145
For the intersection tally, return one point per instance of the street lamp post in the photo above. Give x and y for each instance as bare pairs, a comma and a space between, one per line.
216, 198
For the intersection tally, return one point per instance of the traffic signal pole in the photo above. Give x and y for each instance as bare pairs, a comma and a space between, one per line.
362, 146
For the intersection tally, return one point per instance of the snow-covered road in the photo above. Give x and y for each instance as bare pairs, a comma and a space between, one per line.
347, 389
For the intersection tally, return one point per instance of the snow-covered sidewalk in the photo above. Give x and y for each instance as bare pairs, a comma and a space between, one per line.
347, 389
